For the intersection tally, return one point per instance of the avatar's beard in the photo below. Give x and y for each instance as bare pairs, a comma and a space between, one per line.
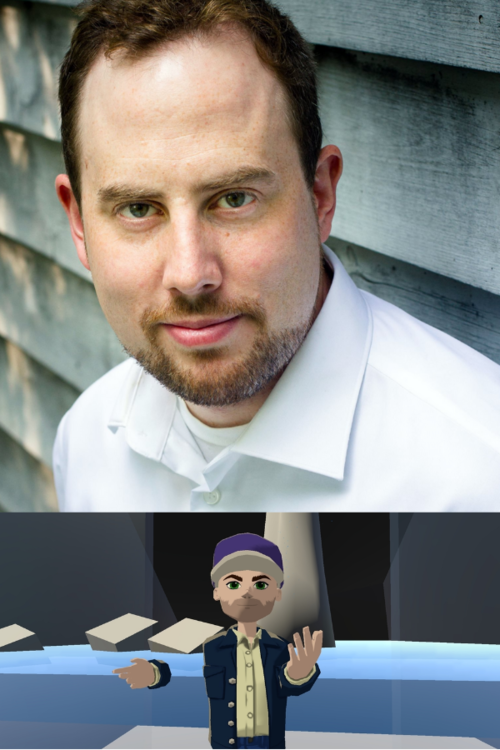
212, 380
239, 612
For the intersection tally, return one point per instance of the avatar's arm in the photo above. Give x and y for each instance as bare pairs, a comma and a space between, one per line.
145, 673
162, 674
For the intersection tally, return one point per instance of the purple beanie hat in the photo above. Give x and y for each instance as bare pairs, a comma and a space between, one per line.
247, 552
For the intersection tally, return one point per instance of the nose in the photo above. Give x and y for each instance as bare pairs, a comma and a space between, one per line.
192, 264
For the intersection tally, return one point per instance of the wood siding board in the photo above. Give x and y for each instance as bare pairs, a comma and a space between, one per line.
26, 485
465, 33
33, 40
54, 316
421, 145
468, 314
30, 212
33, 400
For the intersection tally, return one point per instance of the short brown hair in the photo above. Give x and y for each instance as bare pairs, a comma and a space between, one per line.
136, 27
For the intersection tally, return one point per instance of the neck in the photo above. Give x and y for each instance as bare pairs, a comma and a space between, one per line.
248, 628
239, 414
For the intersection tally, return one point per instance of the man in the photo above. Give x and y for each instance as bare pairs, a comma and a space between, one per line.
260, 377
248, 672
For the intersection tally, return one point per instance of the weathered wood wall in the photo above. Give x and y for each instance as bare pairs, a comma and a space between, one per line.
410, 92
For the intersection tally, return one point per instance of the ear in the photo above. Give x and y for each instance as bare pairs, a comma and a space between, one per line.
216, 594
278, 595
328, 172
68, 202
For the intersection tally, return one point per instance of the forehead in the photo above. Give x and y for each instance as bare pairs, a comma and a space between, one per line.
196, 98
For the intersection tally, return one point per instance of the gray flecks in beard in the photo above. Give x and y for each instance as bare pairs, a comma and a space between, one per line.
224, 384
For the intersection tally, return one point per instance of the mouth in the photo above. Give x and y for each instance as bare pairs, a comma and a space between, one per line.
203, 332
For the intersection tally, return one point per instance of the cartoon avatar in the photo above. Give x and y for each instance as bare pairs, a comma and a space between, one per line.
249, 672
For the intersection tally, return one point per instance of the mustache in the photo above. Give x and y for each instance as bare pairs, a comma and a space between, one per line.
204, 304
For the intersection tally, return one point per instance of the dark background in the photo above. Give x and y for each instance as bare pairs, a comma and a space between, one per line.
356, 557
416, 577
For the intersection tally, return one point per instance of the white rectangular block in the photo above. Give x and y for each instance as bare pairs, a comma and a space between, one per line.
126, 633
184, 637
17, 638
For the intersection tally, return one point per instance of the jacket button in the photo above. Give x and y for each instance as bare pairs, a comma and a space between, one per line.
230, 723
231, 741
232, 681
230, 704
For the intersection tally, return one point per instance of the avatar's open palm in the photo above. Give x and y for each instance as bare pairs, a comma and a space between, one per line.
302, 661
140, 675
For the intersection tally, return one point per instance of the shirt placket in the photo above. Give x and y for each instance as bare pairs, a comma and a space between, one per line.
250, 690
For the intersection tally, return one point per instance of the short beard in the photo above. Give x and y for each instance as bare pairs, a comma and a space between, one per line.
220, 385
238, 612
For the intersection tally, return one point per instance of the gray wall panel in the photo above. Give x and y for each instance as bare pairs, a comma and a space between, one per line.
54, 316
454, 32
468, 314
33, 41
422, 161
26, 485
32, 401
30, 211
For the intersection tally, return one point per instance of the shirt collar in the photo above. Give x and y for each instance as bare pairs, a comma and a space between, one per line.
306, 420
242, 638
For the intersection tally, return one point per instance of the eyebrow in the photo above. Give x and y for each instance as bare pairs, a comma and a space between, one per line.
257, 578
122, 193
239, 177
233, 576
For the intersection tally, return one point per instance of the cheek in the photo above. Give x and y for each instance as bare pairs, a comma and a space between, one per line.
121, 272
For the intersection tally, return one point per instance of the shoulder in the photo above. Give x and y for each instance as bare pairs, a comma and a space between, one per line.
272, 639
273, 636
214, 640
435, 368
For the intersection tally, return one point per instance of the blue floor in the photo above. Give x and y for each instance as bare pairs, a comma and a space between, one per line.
380, 688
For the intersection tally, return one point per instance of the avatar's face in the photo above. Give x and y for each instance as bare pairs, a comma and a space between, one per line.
247, 595
201, 233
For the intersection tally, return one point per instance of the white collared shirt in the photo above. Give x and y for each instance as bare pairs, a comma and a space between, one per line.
376, 412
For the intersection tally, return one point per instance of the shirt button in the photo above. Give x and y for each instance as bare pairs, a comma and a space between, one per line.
247, 652
232, 681
250, 716
212, 498
230, 704
230, 723
249, 688
249, 665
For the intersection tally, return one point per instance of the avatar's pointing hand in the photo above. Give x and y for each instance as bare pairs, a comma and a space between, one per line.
140, 675
302, 662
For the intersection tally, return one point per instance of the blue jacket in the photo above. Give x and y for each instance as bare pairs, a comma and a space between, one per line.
220, 680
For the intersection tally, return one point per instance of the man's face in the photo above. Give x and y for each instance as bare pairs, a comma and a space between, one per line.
248, 595
200, 231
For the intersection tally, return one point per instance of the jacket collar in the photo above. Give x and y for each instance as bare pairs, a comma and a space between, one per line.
306, 420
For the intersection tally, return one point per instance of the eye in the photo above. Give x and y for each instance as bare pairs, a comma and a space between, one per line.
233, 585
261, 585
237, 199
138, 211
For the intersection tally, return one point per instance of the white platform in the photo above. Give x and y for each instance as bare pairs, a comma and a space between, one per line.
165, 738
